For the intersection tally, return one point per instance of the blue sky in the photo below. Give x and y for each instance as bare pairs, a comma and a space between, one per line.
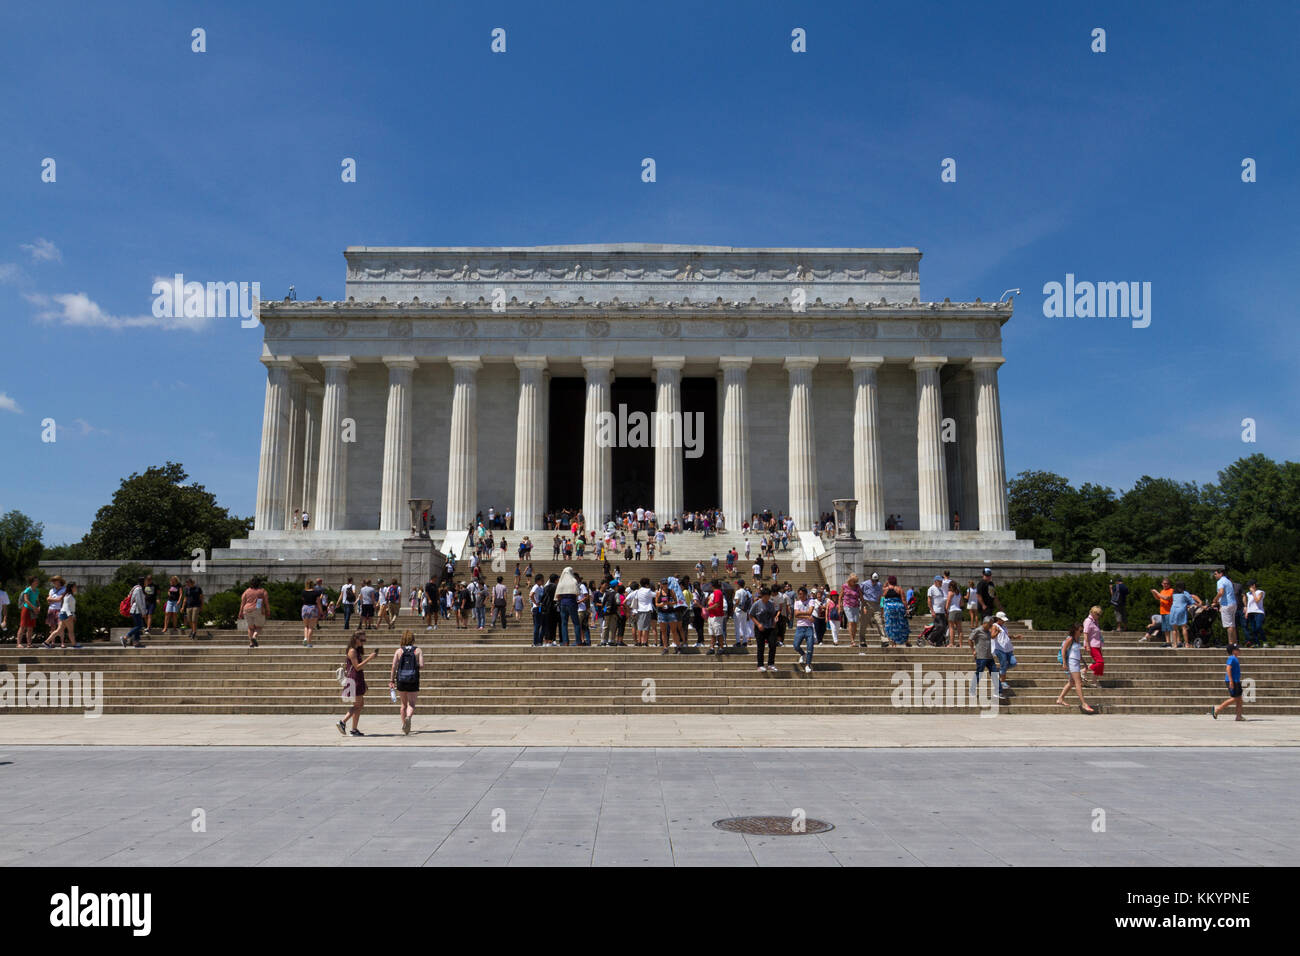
1122, 166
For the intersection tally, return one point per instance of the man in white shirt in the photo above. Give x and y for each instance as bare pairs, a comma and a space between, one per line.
1226, 597
742, 600
645, 605
936, 596
640, 517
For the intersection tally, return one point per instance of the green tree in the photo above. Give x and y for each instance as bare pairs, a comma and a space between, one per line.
1255, 518
1158, 520
156, 516
20, 546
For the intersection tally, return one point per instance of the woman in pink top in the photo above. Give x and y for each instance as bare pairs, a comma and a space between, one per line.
1092, 634
851, 598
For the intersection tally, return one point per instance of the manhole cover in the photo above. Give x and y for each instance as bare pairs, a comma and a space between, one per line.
772, 826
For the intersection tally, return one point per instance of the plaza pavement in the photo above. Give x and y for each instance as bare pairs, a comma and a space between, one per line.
1066, 729
590, 806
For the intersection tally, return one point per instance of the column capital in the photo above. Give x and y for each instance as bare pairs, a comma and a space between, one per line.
987, 361
926, 363
401, 362
599, 368
727, 362
531, 361
801, 363
866, 361
470, 363
336, 361
669, 362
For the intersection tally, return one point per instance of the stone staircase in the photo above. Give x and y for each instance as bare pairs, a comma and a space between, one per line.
473, 672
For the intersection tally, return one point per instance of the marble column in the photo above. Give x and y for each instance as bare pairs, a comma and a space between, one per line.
273, 463
311, 446
737, 506
462, 457
802, 449
597, 449
394, 513
530, 443
990, 466
332, 471
668, 428
868, 472
297, 421
932, 481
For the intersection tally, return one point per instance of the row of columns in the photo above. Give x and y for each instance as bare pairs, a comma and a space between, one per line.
304, 453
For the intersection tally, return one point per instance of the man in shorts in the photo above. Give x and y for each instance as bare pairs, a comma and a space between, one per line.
192, 597
1226, 598
1231, 677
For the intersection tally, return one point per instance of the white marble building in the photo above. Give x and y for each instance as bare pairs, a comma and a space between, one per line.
474, 377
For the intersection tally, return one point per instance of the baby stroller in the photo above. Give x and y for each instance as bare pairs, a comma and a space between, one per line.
933, 636
1200, 627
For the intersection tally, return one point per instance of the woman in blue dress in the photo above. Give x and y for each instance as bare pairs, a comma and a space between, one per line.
891, 601
1183, 601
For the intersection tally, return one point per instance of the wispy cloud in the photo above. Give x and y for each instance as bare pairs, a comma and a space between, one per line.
9, 272
42, 250
85, 428
78, 309
7, 404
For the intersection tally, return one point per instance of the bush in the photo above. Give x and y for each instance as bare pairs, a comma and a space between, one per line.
1054, 604
220, 610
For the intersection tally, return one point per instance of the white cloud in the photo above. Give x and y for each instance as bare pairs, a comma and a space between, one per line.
7, 404
86, 428
42, 250
9, 272
79, 309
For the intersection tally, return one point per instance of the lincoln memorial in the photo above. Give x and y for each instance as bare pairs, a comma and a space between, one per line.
477, 377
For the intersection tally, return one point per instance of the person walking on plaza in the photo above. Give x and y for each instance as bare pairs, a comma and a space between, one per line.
1092, 631
254, 605
981, 642
355, 689
66, 630
804, 634
1225, 596
1119, 603
1254, 615
404, 677
1072, 662
1231, 677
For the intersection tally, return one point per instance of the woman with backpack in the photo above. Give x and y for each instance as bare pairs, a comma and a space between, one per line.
1071, 658
355, 680
404, 677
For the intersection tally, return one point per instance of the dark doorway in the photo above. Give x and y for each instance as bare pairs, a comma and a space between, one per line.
634, 467
701, 477
568, 401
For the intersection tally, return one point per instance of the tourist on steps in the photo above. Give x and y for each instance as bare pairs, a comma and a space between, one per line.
1072, 662
254, 605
